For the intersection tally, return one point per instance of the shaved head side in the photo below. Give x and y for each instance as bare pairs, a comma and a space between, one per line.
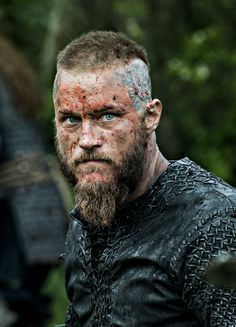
138, 82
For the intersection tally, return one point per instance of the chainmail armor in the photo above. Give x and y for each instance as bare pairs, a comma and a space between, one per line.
218, 236
149, 268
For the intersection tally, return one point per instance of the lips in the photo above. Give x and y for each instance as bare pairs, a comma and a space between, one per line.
97, 162
84, 160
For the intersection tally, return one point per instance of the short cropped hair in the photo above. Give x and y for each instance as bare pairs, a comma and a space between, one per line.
100, 48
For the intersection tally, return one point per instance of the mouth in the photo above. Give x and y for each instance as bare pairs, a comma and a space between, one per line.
93, 162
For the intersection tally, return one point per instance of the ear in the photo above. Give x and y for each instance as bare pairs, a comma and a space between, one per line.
153, 115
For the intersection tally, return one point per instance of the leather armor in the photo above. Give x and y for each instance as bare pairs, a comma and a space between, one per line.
149, 268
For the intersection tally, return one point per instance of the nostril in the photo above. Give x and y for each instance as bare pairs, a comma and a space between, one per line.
88, 141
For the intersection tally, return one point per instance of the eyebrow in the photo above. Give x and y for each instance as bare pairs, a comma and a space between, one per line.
99, 111
93, 112
102, 109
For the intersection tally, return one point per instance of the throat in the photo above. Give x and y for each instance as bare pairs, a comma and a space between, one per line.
151, 173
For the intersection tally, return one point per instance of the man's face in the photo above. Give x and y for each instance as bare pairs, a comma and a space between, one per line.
101, 137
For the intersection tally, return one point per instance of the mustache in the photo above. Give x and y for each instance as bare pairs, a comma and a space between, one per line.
84, 157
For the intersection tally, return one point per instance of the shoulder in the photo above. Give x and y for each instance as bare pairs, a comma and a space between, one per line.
185, 176
196, 223
195, 204
193, 191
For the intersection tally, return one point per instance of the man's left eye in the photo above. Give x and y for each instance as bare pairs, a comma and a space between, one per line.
108, 117
71, 120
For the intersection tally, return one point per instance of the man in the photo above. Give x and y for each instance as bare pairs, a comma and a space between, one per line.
144, 229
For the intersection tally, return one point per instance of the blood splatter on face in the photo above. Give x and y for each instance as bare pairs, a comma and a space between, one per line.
96, 114
101, 134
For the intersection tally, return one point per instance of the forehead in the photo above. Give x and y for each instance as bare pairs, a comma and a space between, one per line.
108, 84
90, 80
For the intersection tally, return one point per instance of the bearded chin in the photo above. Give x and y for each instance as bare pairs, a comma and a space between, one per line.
97, 201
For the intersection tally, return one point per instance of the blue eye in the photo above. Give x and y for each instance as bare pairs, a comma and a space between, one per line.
108, 117
71, 120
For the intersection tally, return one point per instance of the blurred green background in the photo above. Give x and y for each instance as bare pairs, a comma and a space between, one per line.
192, 50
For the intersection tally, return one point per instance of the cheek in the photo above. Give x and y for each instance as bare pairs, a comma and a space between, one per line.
121, 139
66, 142
124, 132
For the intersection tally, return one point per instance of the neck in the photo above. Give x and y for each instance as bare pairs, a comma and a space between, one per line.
155, 165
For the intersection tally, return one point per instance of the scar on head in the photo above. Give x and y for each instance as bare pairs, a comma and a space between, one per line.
137, 80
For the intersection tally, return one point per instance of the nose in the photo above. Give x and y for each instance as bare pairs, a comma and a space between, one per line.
89, 137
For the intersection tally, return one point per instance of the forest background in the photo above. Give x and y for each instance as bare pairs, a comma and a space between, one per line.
192, 51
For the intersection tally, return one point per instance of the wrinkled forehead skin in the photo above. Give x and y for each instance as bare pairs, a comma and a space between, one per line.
133, 76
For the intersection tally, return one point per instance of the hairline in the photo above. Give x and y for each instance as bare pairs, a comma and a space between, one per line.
79, 67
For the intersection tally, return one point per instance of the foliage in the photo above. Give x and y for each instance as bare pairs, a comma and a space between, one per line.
55, 289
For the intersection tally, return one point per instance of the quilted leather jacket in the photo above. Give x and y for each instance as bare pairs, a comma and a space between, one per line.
149, 268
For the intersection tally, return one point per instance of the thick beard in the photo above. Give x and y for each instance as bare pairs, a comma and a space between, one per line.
97, 201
